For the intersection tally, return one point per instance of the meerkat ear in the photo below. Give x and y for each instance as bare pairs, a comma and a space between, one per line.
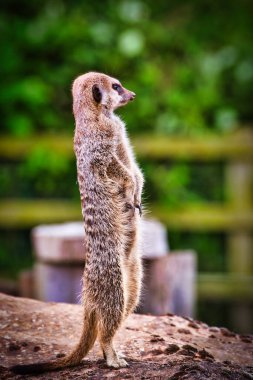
97, 93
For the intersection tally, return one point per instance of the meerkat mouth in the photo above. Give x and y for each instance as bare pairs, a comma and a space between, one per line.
127, 99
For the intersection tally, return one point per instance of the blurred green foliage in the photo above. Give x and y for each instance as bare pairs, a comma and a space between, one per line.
15, 253
189, 62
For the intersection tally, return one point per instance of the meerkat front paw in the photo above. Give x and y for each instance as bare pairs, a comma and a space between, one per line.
129, 209
139, 206
137, 203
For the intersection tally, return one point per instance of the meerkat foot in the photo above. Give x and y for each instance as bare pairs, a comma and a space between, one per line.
113, 359
117, 362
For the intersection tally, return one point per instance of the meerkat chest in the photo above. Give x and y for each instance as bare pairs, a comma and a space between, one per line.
123, 149
123, 154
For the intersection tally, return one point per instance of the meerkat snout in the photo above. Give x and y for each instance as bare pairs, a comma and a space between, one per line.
121, 94
127, 96
132, 96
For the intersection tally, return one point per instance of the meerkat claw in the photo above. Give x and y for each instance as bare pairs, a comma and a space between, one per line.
129, 206
123, 363
139, 208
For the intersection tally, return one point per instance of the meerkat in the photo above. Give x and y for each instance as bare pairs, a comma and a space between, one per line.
110, 185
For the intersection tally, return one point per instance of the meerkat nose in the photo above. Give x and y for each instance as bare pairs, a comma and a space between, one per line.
132, 96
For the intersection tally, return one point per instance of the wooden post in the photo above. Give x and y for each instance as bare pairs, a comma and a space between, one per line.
58, 283
26, 283
239, 190
169, 279
239, 178
60, 254
169, 284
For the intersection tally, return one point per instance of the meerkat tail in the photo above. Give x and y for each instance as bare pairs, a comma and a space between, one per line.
86, 342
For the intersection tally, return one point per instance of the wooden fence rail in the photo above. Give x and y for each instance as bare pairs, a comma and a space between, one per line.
235, 217
16, 213
212, 148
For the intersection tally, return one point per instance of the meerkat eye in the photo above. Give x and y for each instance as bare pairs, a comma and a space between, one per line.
117, 87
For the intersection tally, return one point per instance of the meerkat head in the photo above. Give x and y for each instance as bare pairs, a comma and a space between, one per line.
99, 91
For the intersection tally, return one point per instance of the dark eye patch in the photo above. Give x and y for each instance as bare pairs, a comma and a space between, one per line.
117, 87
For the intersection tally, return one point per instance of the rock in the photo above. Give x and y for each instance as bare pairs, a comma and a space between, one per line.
152, 345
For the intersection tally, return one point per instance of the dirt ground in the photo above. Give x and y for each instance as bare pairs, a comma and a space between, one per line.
167, 347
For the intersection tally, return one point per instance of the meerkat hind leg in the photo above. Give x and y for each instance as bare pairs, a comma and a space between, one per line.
107, 332
134, 284
132, 266
111, 315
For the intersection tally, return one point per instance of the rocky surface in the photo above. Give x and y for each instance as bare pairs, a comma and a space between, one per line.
167, 347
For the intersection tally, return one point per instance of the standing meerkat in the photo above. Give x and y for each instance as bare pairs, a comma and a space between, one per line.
110, 185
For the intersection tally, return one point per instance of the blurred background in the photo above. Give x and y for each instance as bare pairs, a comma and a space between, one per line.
191, 65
